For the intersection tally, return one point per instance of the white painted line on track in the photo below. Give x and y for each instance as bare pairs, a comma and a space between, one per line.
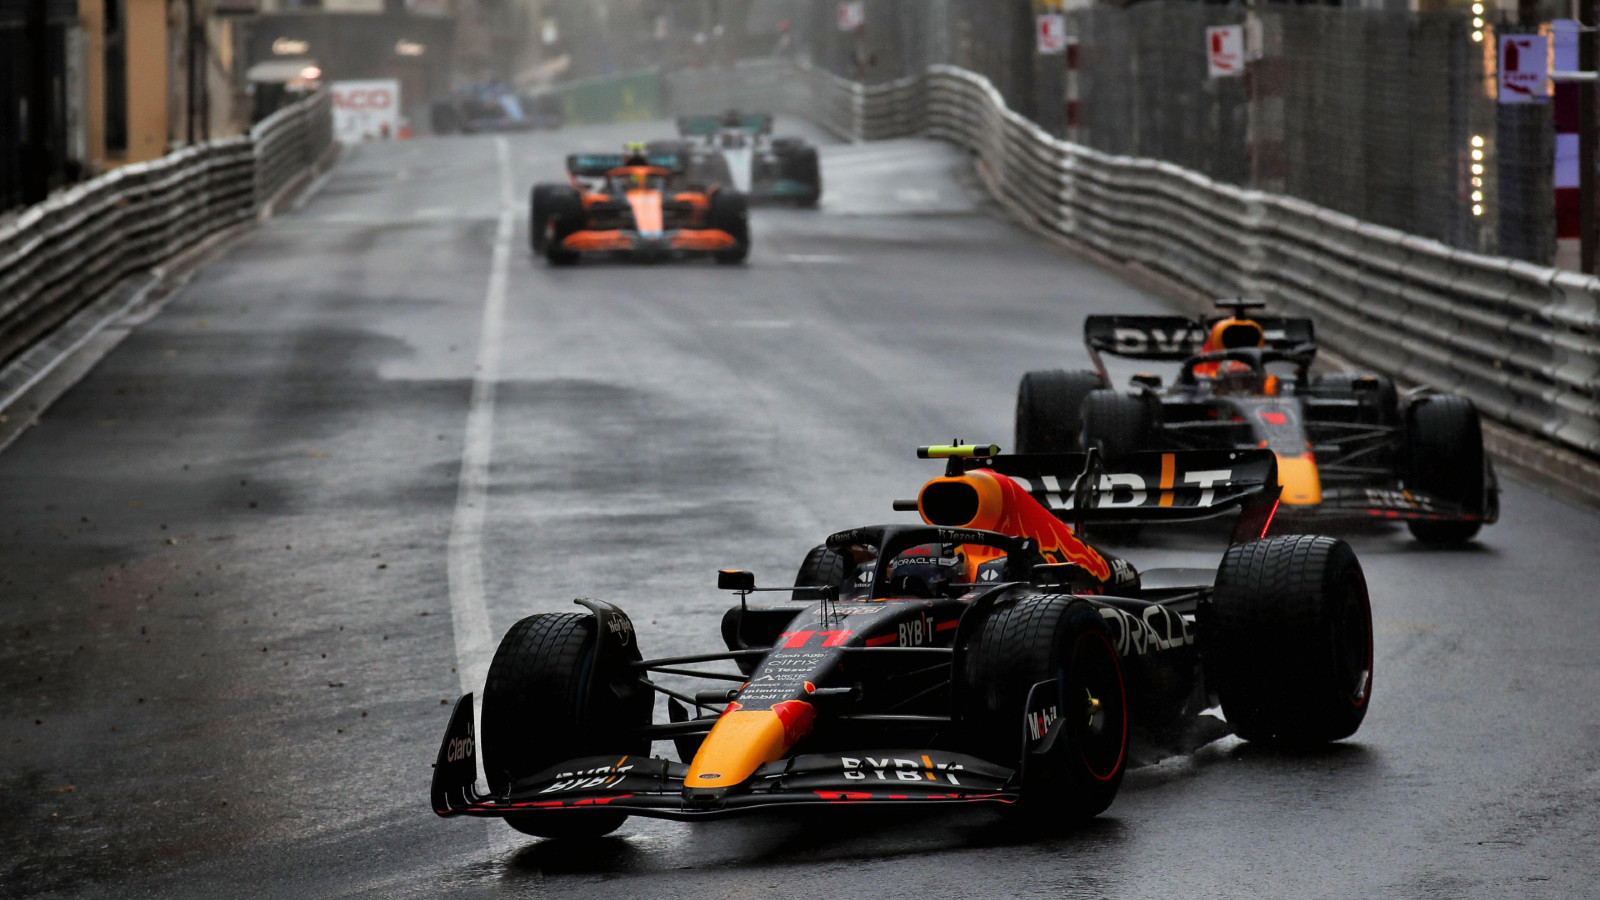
469, 612
469, 608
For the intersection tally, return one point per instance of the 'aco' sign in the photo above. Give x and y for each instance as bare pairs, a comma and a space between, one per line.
364, 110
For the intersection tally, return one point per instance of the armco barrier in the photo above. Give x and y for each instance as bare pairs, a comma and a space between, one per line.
1520, 340
290, 143
60, 256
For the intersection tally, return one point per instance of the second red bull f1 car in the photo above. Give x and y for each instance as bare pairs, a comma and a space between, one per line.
987, 656
1347, 445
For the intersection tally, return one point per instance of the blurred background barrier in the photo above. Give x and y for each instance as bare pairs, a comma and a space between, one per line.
1522, 341
59, 257
603, 99
291, 144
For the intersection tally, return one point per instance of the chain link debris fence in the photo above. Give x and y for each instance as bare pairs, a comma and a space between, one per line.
1390, 117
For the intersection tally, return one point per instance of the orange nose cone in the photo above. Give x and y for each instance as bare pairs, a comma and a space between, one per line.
744, 739
1298, 477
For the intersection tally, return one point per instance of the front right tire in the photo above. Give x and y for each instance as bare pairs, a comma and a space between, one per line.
730, 213
1042, 638
550, 697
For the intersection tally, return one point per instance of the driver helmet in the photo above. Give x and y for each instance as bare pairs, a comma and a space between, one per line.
634, 155
1238, 378
927, 571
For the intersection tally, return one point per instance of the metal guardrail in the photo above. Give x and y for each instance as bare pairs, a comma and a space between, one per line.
1522, 341
290, 142
59, 256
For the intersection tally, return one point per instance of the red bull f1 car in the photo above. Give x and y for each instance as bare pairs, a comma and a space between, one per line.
636, 204
988, 656
1347, 445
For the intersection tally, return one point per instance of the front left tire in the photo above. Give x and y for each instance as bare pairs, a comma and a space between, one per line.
1286, 640
1444, 457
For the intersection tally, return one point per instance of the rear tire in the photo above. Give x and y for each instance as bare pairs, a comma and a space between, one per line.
729, 213
547, 700
1035, 639
1444, 457
823, 567
1049, 416
1286, 640
1118, 423
805, 168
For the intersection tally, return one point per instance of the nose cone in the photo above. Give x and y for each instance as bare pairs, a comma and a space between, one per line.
646, 212
1298, 477
741, 742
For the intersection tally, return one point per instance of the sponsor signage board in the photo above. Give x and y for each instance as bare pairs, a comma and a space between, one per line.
363, 110
1524, 68
1225, 50
852, 15
1051, 31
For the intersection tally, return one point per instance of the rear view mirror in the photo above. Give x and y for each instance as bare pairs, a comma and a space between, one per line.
735, 580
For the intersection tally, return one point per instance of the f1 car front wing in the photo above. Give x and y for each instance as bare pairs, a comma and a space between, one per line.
652, 787
684, 240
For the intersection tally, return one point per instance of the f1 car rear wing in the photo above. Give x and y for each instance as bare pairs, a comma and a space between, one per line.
1155, 487
598, 165
701, 126
1176, 338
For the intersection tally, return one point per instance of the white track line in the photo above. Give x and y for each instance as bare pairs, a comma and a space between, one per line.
469, 609
469, 613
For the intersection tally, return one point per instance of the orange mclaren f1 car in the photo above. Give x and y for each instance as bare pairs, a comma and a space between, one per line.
636, 204
987, 656
1347, 445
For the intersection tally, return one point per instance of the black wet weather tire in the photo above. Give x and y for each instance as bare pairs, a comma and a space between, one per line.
542, 201
807, 170
1049, 416
822, 566
1036, 639
1286, 640
1444, 457
547, 701
730, 213
559, 218
1120, 424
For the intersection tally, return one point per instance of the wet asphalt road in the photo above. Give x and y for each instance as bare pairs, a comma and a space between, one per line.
239, 562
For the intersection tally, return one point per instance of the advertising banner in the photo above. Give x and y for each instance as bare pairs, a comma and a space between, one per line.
364, 110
